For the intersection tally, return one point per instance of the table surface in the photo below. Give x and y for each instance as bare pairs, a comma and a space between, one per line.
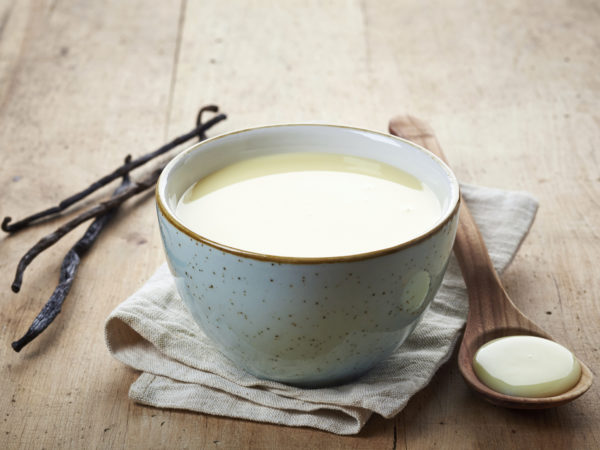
511, 88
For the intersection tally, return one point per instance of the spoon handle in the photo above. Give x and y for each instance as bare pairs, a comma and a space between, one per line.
469, 244
490, 308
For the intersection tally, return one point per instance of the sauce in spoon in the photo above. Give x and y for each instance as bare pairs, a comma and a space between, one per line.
526, 366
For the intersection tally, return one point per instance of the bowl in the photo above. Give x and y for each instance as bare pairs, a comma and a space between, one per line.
306, 321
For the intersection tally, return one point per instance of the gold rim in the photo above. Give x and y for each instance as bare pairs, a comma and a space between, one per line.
305, 260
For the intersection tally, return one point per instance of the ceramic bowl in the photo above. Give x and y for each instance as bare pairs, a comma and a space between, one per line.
306, 321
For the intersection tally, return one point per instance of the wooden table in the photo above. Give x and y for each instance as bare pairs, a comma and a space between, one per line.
512, 89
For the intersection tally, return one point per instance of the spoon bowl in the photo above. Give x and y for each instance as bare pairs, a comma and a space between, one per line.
485, 324
492, 314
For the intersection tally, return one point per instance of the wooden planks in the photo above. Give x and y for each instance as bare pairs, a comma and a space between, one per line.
89, 84
510, 88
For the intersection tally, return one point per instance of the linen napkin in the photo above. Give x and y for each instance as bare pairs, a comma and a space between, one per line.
153, 332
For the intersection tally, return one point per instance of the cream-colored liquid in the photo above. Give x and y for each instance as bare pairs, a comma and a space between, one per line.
309, 205
526, 366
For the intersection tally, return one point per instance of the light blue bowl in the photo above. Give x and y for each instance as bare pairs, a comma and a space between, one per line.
306, 321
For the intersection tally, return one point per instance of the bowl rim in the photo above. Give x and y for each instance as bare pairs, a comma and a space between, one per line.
452, 209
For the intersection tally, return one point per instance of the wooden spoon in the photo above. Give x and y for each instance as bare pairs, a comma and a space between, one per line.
491, 312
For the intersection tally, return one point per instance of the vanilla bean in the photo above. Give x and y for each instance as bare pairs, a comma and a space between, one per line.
103, 213
199, 127
199, 131
68, 271
132, 189
102, 208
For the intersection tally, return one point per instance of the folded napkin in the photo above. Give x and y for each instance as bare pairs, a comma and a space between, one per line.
153, 332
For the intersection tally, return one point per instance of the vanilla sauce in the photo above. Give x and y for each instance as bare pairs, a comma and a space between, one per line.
309, 204
526, 366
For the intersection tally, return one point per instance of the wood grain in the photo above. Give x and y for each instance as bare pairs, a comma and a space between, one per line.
511, 89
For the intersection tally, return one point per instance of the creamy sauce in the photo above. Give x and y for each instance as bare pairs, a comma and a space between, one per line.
526, 366
309, 205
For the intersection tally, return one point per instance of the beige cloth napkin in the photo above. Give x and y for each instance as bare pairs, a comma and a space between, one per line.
153, 332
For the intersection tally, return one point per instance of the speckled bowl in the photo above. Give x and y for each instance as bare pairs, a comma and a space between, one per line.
306, 321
